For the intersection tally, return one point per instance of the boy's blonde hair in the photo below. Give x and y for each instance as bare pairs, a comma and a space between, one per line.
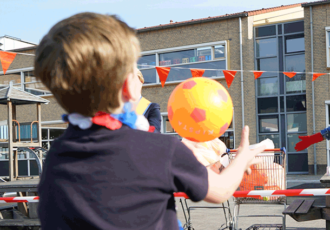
140, 75
84, 61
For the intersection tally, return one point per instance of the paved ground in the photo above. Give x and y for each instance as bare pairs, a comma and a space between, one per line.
213, 219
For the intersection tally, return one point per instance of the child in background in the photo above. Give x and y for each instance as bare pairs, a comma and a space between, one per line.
151, 111
103, 172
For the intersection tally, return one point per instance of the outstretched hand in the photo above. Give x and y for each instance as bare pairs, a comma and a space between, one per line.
248, 154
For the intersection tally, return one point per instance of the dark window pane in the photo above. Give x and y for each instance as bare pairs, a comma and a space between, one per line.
298, 162
219, 51
177, 74
265, 31
147, 61
283, 136
185, 56
55, 133
297, 84
296, 122
292, 141
167, 128
295, 63
294, 27
268, 64
274, 137
281, 64
44, 134
294, 43
228, 139
282, 104
268, 124
279, 29
149, 76
34, 171
4, 168
266, 47
23, 168
267, 86
45, 145
296, 103
267, 105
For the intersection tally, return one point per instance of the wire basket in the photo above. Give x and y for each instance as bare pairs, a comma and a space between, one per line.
268, 175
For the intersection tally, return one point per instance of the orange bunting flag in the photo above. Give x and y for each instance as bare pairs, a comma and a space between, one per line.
163, 73
229, 75
316, 75
197, 72
6, 59
257, 74
290, 74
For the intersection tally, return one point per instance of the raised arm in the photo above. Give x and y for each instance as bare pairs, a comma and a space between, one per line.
222, 186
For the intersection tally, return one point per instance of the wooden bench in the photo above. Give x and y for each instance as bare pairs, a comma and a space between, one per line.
303, 210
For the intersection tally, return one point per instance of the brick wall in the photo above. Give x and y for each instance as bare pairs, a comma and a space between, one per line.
202, 33
321, 19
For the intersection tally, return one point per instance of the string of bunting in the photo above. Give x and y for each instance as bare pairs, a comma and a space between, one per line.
6, 58
163, 73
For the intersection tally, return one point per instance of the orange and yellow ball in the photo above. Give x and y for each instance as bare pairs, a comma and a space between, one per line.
200, 109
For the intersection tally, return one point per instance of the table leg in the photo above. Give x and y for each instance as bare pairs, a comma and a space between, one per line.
22, 207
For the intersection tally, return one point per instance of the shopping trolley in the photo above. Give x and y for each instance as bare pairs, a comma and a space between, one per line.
270, 174
187, 212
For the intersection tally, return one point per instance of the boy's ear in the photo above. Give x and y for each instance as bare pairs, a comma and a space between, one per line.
129, 88
126, 92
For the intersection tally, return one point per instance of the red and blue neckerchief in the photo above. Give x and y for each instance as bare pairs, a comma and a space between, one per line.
110, 121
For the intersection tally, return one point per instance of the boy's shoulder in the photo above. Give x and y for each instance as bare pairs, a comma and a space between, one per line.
125, 137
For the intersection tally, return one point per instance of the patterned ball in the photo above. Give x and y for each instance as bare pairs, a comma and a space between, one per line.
200, 109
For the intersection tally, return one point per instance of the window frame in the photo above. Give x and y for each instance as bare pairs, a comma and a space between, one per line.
48, 140
182, 48
327, 37
327, 123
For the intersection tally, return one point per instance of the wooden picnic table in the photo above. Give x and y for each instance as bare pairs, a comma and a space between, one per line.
26, 187
30, 185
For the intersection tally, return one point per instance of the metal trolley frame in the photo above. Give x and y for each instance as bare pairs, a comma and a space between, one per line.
269, 175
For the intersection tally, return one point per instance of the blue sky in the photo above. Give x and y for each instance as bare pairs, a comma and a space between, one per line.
30, 20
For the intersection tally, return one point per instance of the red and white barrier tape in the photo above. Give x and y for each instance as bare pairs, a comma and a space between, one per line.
31, 199
251, 193
266, 193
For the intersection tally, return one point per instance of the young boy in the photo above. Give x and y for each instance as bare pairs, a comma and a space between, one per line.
102, 173
151, 111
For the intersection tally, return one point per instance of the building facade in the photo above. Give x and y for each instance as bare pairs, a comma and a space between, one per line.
274, 106
10, 43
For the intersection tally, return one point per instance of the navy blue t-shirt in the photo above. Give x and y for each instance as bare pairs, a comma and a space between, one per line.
153, 116
122, 179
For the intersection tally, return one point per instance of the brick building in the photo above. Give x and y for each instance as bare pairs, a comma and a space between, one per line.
274, 106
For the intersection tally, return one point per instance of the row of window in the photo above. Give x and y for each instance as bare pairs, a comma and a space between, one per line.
212, 58
281, 101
